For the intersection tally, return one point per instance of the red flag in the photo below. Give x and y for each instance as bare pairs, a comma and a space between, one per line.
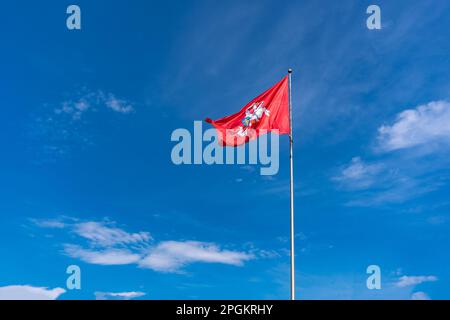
267, 112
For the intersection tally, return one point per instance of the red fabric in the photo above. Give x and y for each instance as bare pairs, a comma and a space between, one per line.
267, 112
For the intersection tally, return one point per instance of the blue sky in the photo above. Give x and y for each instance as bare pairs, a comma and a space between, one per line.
87, 179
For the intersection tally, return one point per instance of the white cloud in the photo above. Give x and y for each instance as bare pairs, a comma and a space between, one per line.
420, 295
49, 223
26, 292
118, 105
359, 175
74, 108
60, 129
426, 124
170, 256
406, 281
104, 235
167, 256
77, 107
118, 295
398, 177
109, 245
108, 256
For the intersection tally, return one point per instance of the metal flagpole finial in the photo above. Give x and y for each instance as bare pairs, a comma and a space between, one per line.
289, 70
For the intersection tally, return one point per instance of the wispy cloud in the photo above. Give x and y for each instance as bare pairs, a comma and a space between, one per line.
111, 245
49, 223
341, 285
358, 174
406, 281
109, 256
117, 105
27, 292
393, 177
420, 295
118, 295
60, 127
380, 182
74, 109
101, 234
170, 256
93, 101
396, 188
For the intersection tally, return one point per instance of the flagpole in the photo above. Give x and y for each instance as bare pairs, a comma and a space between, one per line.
292, 190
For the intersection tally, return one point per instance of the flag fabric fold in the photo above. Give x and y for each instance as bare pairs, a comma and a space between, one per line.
268, 112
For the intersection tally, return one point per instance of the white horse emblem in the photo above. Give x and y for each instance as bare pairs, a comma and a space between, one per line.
253, 115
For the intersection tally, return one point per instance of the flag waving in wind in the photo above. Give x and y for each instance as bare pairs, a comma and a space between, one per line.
267, 112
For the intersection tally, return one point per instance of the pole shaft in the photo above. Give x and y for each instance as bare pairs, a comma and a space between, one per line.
292, 191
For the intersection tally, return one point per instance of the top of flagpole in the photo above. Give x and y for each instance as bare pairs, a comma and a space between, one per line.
289, 70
